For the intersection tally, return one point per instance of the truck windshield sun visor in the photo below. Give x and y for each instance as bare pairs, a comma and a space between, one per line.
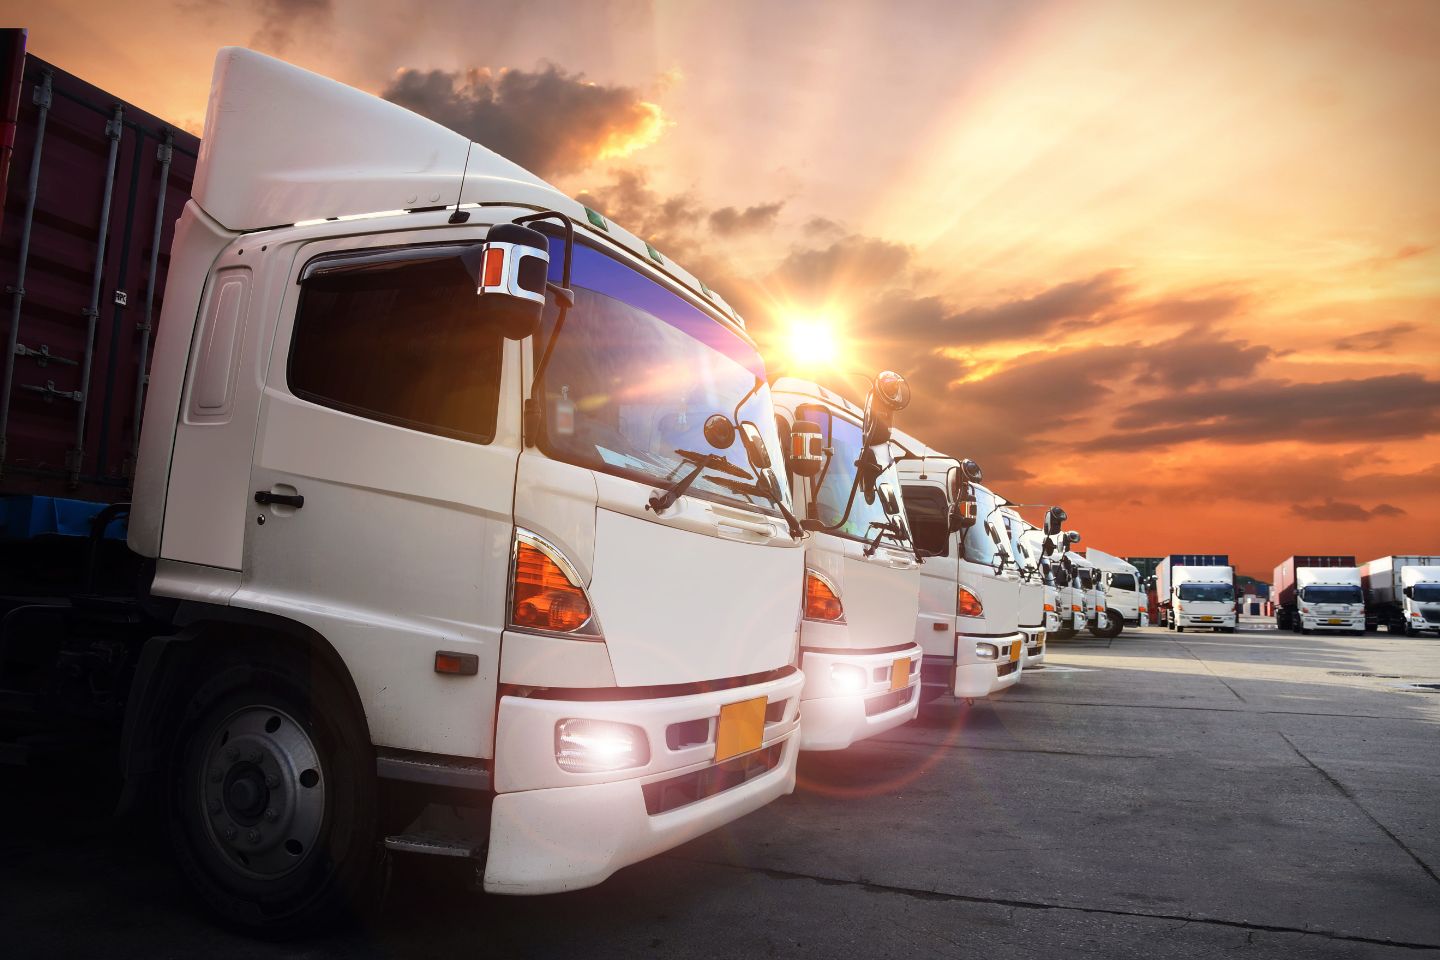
635, 374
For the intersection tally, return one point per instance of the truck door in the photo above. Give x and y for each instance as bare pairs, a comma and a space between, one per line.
383, 481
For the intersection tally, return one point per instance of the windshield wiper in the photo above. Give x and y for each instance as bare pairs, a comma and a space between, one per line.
702, 461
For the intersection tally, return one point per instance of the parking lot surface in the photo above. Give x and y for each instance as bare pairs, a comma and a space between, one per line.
1156, 795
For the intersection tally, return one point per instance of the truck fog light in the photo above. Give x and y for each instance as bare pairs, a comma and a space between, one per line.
847, 678
597, 746
987, 651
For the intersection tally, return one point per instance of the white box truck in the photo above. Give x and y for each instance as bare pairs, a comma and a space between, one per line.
969, 620
1119, 581
862, 577
424, 495
1403, 593
1197, 591
1319, 593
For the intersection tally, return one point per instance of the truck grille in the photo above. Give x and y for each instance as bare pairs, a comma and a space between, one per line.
1432, 616
1005, 669
665, 795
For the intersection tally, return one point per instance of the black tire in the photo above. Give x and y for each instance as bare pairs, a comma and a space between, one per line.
272, 850
1179, 629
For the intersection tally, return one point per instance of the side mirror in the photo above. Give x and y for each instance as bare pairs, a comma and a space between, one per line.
754, 445
889, 394
889, 501
510, 269
1047, 547
867, 473
1054, 519
1072, 537
964, 511
971, 469
807, 448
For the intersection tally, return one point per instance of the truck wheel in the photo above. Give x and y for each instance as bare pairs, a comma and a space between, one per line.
1179, 629
1114, 628
272, 798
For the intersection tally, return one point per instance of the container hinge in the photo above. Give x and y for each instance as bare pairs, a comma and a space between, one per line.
114, 127
50, 394
43, 356
15, 291
164, 152
41, 95
122, 299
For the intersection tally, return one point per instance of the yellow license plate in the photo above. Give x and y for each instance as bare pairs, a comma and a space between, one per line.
900, 674
741, 728
1015, 650
1335, 620
1207, 618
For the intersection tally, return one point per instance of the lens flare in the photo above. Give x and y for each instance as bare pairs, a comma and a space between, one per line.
811, 342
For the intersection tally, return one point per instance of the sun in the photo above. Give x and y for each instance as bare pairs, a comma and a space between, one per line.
811, 342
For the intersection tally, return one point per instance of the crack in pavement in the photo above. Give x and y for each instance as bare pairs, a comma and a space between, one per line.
1212, 673
1344, 792
936, 895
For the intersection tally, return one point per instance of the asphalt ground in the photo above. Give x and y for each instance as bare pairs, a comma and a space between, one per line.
1156, 795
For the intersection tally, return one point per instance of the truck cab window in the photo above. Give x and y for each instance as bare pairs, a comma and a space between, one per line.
400, 342
1123, 581
927, 508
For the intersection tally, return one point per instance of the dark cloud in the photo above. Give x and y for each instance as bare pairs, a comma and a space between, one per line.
1195, 311
1340, 511
667, 221
1065, 306
549, 121
1197, 356
731, 220
822, 226
1398, 406
1369, 341
281, 20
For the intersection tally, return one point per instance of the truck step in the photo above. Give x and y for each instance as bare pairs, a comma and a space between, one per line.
445, 831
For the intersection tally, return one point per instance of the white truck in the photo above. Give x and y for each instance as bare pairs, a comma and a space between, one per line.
969, 620
1198, 593
1034, 592
1119, 581
431, 489
1069, 594
1090, 593
1403, 593
1319, 593
862, 578
1038, 546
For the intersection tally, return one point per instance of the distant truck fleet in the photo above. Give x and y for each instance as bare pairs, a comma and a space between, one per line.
1402, 594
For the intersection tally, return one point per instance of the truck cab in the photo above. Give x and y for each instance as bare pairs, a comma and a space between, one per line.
969, 620
1420, 594
1090, 591
1120, 585
1329, 600
858, 652
1035, 594
427, 495
1037, 548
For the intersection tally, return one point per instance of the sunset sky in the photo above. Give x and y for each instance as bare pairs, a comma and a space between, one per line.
1173, 265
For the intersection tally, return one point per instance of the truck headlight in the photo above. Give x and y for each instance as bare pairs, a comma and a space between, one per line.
598, 746
847, 678
987, 651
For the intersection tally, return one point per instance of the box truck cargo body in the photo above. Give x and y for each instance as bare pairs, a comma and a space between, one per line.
1319, 592
392, 520
1403, 593
1196, 591
969, 620
858, 652
93, 189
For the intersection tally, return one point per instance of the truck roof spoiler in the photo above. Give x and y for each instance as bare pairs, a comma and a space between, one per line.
283, 145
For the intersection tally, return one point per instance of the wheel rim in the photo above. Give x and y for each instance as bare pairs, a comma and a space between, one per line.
262, 792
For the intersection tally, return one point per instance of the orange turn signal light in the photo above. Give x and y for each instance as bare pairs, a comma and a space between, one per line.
543, 597
967, 604
821, 600
1049, 608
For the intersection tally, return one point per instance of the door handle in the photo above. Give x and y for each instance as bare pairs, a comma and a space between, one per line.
283, 499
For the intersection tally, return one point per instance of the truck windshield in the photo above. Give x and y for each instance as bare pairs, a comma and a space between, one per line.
1123, 581
1215, 592
1425, 592
845, 441
1331, 594
635, 372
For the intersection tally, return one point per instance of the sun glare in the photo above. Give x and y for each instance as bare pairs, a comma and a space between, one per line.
811, 342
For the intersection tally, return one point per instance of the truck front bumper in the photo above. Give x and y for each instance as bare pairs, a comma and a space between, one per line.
1342, 623
834, 718
1217, 621
1034, 654
980, 678
552, 830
